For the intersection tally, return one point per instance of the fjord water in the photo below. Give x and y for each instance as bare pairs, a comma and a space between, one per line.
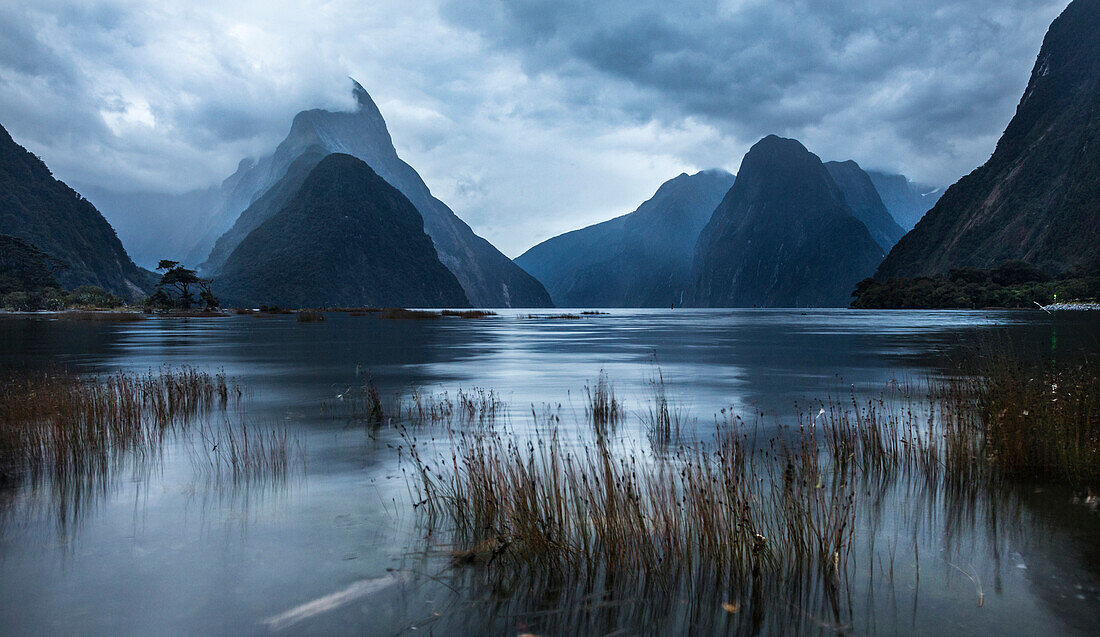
334, 545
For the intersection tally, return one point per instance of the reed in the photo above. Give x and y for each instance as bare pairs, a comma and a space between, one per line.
408, 315
763, 517
567, 317
240, 455
538, 506
1035, 420
309, 316
417, 407
603, 409
468, 314
57, 422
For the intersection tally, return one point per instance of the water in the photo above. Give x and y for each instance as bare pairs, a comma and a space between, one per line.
160, 549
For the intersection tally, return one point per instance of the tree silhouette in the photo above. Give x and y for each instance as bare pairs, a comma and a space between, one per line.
174, 290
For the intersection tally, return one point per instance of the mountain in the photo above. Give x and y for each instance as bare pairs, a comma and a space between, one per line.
1037, 199
345, 238
641, 259
783, 236
489, 278
860, 195
905, 200
55, 219
157, 225
273, 200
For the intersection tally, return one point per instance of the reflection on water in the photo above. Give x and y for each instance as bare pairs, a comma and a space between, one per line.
169, 548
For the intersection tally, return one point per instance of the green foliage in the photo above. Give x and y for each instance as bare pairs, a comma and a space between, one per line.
1013, 284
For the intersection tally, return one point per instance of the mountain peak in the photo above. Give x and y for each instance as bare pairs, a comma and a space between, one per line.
364, 103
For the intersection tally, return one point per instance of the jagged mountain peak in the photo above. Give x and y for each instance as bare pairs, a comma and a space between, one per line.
489, 278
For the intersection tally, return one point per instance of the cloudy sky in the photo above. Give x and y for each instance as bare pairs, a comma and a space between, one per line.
528, 117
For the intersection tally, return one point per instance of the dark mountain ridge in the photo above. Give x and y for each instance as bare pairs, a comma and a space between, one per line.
345, 237
866, 204
641, 259
783, 236
1037, 199
55, 219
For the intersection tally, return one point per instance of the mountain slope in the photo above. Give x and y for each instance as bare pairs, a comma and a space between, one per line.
860, 195
345, 238
642, 259
55, 219
1037, 199
782, 237
273, 200
906, 201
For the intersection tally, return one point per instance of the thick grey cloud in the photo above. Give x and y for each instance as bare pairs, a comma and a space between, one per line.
528, 117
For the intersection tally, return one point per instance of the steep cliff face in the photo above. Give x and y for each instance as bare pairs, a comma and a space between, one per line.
1037, 199
905, 200
782, 237
55, 219
866, 204
273, 200
642, 259
344, 238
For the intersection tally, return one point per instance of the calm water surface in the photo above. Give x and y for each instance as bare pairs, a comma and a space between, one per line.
157, 549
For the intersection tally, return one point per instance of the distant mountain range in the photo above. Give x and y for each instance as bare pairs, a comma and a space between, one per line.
789, 230
642, 259
488, 277
783, 236
906, 201
794, 237
1037, 199
53, 218
344, 237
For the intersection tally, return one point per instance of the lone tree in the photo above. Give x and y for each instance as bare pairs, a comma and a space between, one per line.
175, 288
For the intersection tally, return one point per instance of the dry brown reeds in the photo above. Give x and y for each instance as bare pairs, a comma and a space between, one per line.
603, 409
759, 515
468, 314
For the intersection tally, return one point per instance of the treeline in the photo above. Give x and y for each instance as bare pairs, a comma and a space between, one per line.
28, 284
1014, 284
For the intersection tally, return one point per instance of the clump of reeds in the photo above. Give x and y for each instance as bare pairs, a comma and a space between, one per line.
1036, 420
309, 316
244, 454
416, 408
662, 419
58, 420
541, 507
594, 313
468, 314
402, 313
273, 309
603, 409
554, 316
